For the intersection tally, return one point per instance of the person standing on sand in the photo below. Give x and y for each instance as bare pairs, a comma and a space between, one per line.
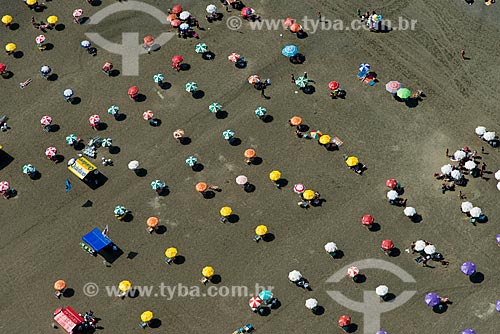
462, 54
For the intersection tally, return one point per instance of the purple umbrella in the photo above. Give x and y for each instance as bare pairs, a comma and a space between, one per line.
498, 239
498, 305
381, 332
468, 331
468, 268
432, 299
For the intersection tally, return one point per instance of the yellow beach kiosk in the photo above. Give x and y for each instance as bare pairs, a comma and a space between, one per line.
87, 172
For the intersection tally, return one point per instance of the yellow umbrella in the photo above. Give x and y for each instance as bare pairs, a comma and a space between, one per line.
124, 286
30, 2
225, 211
52, 19
352, 161
171, 252
146, 316
10, 47
208, 272
6, 19
261, 230
274, 175
308, 195
325, 139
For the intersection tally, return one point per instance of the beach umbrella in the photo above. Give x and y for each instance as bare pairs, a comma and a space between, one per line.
78, 12
28, 169
133, 165
246, 11
260, 111
71, 139
211, 9
68, 93
152, 222
265, 295
184, 15
470, 165
175, 23
497, 305
432, 299
208, 271
325, 139
201, 48
288, 22
46, 120
3, 67
133, 90
178, 133
148, 40
403, 93
10, 47
255, 302
94, 119
333, 85
177, 9
184, 26
298, 188
241, 180
146, 316
294, 275
295, 121
120, 210
430, 249
124, 286
59, 285
157, 184
40, 39
352, 161
308, 195
85, 44
191, 161
387, 244
311, 303
158, 77
191, 87
497, 175
45, 69
107, 142
107, 66
392, 195
250, 153
177, 59
459, 155
225, 211
301, 82
480, 130
489, 135
113, 110
295, 28
50, 152
31, 2
381, 332
466, 206
392, 87
409, 211
52, 19
498, 185
468, 331
364, 67
367, 220
446, 169
147, 115
227, 134
330, 247
315, 134
344, 320
289, 50
275, 175
171, 252
6, 19
234, 57
352, 271
4, 186
419, 245
215, 107
201, 187
475, 212
261, 230
468, 268
253, 79
382, 290
498, 239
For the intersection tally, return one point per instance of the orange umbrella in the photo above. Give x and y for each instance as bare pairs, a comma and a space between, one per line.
175, 23
250, 153
171, 17
201, 187
149, 40
59, 285
295, 121
177, 9
288, 22
152, 222
295, 27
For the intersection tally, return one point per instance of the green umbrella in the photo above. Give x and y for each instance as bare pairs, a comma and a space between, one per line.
191, 161
107, 142
71, 139
403, 93
191, 87
265, 295
201, 48
113, 110
157, 184
260, 111
301, 82
120, 210
215, 107
228, 134
28, 169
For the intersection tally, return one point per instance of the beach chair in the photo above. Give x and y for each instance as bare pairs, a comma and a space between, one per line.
337, 141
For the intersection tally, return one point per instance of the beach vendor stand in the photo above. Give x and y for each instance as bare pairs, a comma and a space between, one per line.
86, 171
97, 242
69, 320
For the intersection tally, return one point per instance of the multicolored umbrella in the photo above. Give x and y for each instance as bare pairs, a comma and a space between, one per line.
299, 188
148, 41
158, 78
403, 93
201, 48
28, 169
468, 268
215, 107
260, 112
77, 12
191, 87
113, 110
71, 139
333, 85
94, 119
191, 161
288, 22
50, 152
352, 271
253, 79
255, 302
392, 86
234, 57
4, 186
40, 39
301, 82
315, 134
120, 210
147, 115
107, 142
290, 50
364, 67
46, 120
228, 134
265, 295
157, 184
107, 66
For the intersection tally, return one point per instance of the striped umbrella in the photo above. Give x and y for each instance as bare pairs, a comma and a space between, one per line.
301, 82
352, 271
364, 67
157, 184
191, 161
85, 44
28, 169
147, 115
158, 78
253, 79
4, 186
234, 57
260, 111
113, 110
228, 134
77, 12
392, 86
106, 142
46, 120
71, 139
215, 107
50, 152
201, 48
191, 87
40, 39
94, 119
299, 188
45, 69
315, 134
255, 302
265, 295
120, 210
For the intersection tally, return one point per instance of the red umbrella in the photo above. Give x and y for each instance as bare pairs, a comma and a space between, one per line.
387, 245
94, 119
177, 9
175, 23
149, 40
288, 22
177, 59
367, 220
333, 85
295, 27
391, 183
234, 57
344, 320
132, 91
246, 11
147, 115
2, 67
107, 66
254, 302
50, 152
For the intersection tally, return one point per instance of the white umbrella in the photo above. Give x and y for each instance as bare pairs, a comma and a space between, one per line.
430, 249
133, 165
480, 130
409, 211
241, 180
211, 9
184, 15
470, 165
489, 136
475, 212
331, 247
446, 169
311, 303
459, 155
497, 175
456, 174
467, 206
419, 245
381, 290
392, 194
498, 185
294, 275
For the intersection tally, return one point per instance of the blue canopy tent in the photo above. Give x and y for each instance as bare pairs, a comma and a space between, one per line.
96, 240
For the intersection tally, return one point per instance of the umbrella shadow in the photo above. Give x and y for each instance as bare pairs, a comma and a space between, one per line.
18, 54
221, 114
318, 310
54, 128
120, 117
256, 161
209, 55
165, 85
58, 158
101, 126
114, 149
36, 175
309, 90
302, 34
440, 308
79, 146
338, 254
141, 172
359, 279
233, 218
155, 122
161, 229
416, 218
53, 77
264, 311
13, 26
140, 98
132, 255
60, 27
198, 167
240, 64
199, 94
209, 194
95, 3
185, 67
128, 217
75, 100
163, 192
411, 103
282, 183
48, 47
375, 227
477, 277
389, 297
249, 188
394, 252
351, 328
185, 141
7, 74
154, 323
267, 119
68, 293
268, 237
114, 73
235, 141
215, 279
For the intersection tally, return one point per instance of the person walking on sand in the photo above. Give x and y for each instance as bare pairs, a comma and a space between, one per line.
462, 54
292, 77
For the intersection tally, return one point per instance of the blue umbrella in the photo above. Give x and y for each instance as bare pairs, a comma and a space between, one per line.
432, 299
468, 268
45, 69
382, 332
468, 331
265, 295
85, 44
364, 67
289, 50
184, 27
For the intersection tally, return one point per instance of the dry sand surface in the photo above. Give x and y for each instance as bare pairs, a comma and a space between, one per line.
42, 226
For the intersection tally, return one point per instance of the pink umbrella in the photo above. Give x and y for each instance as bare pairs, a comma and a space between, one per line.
40, 39
175, 23
3, 67
77, 12
46, 120
255, 302
4, 186
147, 115
50, 152
253, 79
94, 119
299, 188
107, 66
241, 180
234, 57
333, 85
